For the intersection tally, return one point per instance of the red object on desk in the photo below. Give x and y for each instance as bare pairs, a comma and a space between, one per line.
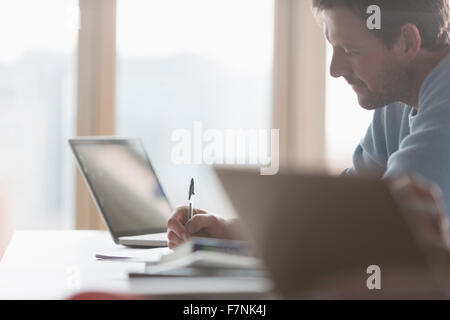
97, 295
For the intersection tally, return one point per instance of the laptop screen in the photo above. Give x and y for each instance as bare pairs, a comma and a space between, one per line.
123, 185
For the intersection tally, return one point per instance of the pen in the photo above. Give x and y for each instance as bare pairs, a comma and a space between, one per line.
191, 200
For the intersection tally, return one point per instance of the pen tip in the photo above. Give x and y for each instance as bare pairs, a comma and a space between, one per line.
191, 188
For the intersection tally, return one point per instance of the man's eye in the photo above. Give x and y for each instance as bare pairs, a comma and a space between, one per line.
350, 53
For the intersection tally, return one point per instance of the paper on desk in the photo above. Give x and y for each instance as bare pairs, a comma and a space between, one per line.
133, 255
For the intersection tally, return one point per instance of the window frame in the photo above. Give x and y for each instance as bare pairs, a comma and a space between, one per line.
95, 91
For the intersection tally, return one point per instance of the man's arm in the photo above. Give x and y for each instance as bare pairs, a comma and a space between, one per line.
426, 150
371, 155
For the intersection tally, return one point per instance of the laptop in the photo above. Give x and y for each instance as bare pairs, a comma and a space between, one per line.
307, 228
125, 189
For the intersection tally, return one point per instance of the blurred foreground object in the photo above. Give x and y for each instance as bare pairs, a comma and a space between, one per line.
422, 201
97, 295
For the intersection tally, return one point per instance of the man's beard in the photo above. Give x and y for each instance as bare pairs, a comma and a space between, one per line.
395, 90
376, 100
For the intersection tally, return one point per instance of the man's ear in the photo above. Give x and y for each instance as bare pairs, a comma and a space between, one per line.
408, 43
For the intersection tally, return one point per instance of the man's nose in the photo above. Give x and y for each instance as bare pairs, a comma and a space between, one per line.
339, 66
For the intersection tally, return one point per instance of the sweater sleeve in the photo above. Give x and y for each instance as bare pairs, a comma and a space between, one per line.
370, 156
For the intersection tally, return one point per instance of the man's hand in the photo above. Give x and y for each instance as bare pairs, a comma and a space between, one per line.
202, 224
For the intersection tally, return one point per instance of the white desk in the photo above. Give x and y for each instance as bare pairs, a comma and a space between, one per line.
57, 264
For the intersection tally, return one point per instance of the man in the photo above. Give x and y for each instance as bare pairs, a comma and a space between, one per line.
401, 70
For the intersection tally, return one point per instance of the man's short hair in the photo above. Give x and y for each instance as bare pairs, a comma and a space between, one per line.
431, 18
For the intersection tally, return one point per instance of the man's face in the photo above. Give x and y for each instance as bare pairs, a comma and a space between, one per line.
375, 73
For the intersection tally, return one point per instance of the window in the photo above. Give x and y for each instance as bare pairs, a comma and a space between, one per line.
37, 95
186, 62
346, 121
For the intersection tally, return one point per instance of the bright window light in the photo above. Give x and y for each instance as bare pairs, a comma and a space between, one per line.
37, 111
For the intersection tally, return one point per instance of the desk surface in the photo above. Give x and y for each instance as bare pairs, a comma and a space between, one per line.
57, 264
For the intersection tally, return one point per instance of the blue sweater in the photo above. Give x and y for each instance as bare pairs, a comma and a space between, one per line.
399, 141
